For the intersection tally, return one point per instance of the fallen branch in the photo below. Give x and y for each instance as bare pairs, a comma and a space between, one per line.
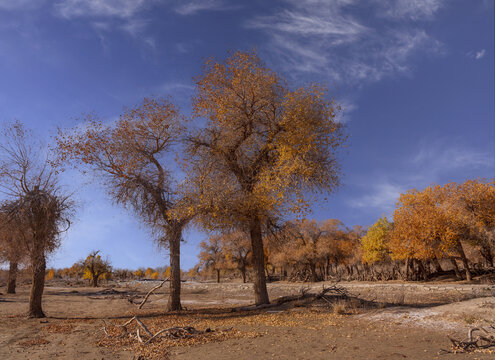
151, 291
325, 294
485, 341
175, 332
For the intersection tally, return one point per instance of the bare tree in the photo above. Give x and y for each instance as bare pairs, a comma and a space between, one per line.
11, 251
35, 203
135, 158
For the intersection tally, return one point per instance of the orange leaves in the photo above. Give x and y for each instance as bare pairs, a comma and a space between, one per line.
434, 221
264, 146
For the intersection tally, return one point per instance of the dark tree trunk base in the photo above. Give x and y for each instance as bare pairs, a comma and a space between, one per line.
260, 291
11, 282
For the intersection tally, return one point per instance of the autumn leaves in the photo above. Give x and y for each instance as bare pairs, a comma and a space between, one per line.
263, 149
439, 222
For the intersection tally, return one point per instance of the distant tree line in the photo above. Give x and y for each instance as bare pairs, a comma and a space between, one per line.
436, 230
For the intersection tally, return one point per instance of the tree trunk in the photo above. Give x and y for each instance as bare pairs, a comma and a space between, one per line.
436, 264
95, 280
260, 292
11, 282
422, 270
314, 277
174, 297
456, 268
407, 268
218, 276
243, 272
465, 262
38, 264
486, 253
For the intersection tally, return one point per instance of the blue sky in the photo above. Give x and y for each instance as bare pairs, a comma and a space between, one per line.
416, 79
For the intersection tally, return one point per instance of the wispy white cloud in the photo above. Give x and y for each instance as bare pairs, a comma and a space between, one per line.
438, 158
312, 17
192, 7
480, 54
382, 196
435, 161
329, 39
99, 8
20, 4
476, 55
409, 9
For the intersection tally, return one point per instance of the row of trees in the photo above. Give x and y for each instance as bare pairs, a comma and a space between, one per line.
297, 250
262, 150
439, 228
439, 222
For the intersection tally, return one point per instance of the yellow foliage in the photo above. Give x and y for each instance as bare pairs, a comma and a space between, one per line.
50, 274
375, 244
149, 272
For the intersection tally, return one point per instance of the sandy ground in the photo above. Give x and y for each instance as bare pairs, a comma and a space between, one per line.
416, 327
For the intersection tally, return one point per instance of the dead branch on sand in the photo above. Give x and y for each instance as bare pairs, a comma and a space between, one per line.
327, 294
175, 332
151, 291
484, 340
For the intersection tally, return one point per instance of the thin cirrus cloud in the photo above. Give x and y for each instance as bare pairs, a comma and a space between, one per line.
383, 197
325, 37
436, 162
99, 8
20, 4
126, 9
409, 9
193, 7
476, 55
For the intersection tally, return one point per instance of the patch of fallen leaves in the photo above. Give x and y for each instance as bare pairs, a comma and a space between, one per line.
62, 327
307, 319
34, 342
224, 325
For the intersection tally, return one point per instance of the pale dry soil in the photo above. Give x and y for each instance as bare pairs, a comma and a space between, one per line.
404, 322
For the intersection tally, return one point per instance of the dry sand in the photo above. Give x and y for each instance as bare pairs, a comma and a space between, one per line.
73, 326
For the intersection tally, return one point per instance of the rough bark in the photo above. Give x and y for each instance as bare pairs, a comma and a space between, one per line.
218, 276
465, 262
38, 264
436, 264
174, 297
11, 282
243, 272
95, 280
456, 268
422, 269
260, 291
486, 253
314, 277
